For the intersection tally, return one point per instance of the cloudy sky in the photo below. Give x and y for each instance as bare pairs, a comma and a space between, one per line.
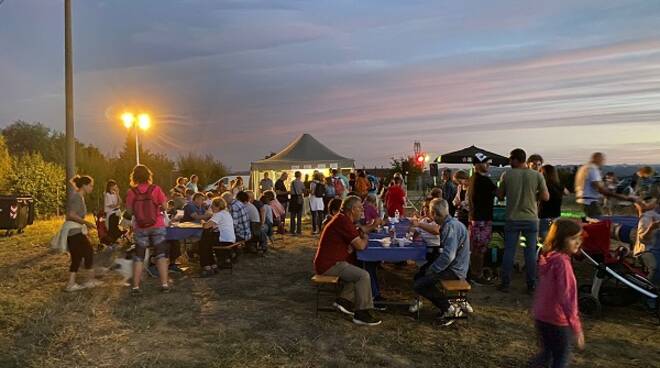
239, 79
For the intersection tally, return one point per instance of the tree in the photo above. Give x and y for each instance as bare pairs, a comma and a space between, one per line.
44, 181
23, 138
122, 166
207, 168
5, 165
408, 168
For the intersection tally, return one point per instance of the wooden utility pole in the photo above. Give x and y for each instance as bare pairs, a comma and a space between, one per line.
68, 87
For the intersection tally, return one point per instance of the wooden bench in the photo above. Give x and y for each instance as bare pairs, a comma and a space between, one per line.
456, 291
231, 252
325, 284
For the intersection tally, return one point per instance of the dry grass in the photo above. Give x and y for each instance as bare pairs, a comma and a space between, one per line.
263, 316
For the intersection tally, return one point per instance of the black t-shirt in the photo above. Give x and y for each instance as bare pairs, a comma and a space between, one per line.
552, 208
481, 194
280, 186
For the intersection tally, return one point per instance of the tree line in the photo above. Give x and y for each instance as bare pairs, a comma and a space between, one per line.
32, 160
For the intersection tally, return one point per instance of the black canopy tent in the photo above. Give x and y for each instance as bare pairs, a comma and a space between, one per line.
466, 155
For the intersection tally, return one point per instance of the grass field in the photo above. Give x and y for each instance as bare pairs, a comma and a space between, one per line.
263, 316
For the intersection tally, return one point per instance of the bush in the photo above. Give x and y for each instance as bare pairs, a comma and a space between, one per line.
44, 181
5, 165
207, 168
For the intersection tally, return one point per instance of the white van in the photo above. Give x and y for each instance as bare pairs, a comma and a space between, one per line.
226, 180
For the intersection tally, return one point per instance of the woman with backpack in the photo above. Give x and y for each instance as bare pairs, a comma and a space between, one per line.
146, 202
317, 194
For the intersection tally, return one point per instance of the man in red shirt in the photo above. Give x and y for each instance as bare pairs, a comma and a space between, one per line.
395, 198
335, 256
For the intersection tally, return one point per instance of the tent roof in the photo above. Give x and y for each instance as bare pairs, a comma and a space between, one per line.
304, 151
465, 155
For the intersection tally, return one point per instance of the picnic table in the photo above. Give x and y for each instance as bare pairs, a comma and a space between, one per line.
184, 230
375, 251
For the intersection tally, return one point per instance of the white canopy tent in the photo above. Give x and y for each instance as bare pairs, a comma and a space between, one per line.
304, 154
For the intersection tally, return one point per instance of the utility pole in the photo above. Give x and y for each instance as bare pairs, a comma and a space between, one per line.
68, 87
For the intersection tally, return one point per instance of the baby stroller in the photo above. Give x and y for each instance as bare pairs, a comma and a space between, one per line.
616, 280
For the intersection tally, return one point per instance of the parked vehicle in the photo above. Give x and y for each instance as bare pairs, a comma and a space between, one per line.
226, 180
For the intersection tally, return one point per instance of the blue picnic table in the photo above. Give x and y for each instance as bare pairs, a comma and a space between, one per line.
375, 251
182, 233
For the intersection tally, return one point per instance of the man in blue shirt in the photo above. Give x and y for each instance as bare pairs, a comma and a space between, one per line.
452, 262
194, 210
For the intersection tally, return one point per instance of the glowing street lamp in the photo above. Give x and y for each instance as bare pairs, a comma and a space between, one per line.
143, 123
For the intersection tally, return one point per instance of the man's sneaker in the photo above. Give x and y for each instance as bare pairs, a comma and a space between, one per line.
366, 318
73, 287
165, 288
92, 283
481, 281
380, 304
343, 306
173, 268
415, 306
447, 318
466, 307
503, 288
444, 321
152, 271
136, 291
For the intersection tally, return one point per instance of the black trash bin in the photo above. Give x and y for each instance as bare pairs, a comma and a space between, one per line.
16, 212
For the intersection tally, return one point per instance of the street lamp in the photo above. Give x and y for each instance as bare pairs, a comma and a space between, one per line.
143, 123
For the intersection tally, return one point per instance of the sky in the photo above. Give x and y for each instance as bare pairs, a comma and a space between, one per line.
241, 79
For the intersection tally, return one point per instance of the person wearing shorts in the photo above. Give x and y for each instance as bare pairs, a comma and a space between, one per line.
147, 232
481, 195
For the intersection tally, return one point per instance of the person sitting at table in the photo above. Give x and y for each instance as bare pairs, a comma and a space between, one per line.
333, 208
240, 215
258, 236
432, 240
452, 262
218, 230
370, 209
194, 211
335, 256
189, 194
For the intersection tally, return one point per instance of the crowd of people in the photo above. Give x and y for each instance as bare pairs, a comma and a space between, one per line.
455, 222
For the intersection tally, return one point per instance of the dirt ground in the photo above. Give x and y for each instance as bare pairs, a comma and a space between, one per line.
263, 316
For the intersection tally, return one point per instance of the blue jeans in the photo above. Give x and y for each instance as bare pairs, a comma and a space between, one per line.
556, 342
426, 286
372, 268
512, 232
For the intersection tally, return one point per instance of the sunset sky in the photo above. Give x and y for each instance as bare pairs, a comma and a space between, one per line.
239, 79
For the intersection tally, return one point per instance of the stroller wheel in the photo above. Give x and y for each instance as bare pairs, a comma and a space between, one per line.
589, 305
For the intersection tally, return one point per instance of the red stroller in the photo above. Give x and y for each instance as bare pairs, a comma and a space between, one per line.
616, 281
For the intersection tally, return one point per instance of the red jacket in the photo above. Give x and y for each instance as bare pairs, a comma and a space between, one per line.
555, 301
394, 200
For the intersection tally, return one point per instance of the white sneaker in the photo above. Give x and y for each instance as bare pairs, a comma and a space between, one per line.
453, 312
73, 287
415, 306
466, 307
92, 283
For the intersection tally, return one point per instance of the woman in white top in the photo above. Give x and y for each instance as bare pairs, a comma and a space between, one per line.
316, 201
112, 209
218, 230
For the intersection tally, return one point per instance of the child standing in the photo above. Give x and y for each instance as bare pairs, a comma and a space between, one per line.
555, 306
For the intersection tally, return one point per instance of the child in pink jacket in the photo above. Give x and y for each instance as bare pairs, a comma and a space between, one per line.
555, 306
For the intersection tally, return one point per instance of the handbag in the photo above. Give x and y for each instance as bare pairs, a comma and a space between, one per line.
297, 199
